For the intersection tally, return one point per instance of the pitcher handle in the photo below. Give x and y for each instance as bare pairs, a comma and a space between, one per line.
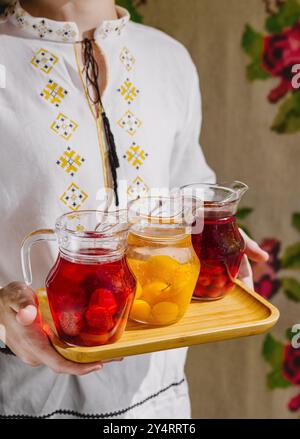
32, 238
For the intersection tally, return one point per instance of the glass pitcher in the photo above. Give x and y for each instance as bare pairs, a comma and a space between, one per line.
90, 288
220, 247
162, 258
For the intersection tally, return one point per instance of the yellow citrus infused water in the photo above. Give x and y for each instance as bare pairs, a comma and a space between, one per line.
166, 269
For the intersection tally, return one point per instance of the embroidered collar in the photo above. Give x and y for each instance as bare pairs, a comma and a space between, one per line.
67, 31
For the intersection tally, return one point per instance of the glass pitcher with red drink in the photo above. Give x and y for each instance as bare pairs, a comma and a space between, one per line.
90, 288
220, 247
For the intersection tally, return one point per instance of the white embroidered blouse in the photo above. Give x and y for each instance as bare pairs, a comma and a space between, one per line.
54, 159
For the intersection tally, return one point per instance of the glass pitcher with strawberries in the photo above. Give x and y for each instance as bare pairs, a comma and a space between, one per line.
220, 247
161, 256
90, 288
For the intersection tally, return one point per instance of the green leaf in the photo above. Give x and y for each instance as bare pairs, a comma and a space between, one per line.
273, 351
255, 71
287, 16
296, 221
291, 256
290, 334
291, 288
132, 9
275, 380
287, 119
252, 42
243, 213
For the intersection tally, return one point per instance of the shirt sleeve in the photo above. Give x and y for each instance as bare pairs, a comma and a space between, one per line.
188, 164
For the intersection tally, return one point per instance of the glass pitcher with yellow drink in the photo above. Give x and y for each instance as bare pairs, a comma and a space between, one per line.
161, 257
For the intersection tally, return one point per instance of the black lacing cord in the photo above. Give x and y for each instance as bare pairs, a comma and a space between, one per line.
91, 70
91, 415
6, 351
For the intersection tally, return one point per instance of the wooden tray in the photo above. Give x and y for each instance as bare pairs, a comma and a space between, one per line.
241, 313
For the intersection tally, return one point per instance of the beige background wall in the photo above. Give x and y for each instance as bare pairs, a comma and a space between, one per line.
228, 379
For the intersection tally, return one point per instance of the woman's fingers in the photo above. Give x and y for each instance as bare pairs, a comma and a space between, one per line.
39, 345
253, 250
59, 365
245, 273
25, 336
27, 316
22, 300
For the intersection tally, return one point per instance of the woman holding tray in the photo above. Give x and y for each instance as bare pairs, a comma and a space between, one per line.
77, 71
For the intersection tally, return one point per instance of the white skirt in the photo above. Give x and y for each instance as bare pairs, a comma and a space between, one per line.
151, 386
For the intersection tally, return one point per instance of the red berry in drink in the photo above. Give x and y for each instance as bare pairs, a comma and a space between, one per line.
90, 301
217, 270
72, 297
104, 298
219, 281
99, 318
204, 280
220, 249
214, 292
200, 291
71, 322
90, 283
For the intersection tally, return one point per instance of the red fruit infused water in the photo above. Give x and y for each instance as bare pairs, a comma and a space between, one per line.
90, 302
220, 249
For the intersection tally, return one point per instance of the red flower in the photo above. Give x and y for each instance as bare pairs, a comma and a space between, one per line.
272, 246
294, 404
281, 52
291, 365
266, 282
267, 286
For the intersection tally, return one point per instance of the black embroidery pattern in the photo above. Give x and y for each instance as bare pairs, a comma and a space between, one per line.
95, 416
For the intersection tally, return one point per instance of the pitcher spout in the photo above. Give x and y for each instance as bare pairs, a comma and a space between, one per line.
240, 188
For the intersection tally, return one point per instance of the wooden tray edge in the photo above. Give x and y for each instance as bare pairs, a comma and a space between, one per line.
274, 312
86, 355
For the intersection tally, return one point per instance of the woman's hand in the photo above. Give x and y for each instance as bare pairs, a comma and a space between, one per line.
254, 253
23, 333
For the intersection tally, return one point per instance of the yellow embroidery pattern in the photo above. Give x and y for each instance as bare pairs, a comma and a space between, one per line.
130, 123
70, 161
73, 197
80, 228
63, 126
137, 189
127, 59
135, 155
44, 60
53, 93
128, 91
75, 217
